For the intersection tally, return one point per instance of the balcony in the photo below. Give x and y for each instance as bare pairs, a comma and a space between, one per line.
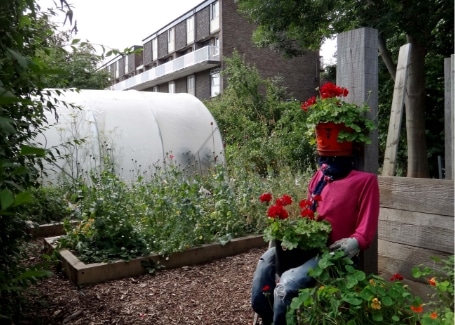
199, 60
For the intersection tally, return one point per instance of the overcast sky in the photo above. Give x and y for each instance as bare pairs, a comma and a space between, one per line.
121, 24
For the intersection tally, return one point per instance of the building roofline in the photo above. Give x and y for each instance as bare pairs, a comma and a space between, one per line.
178, 20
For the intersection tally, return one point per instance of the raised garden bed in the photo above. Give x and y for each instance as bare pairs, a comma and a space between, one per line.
47, 230
83, 274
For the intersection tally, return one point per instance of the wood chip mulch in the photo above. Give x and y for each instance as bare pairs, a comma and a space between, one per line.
214, 293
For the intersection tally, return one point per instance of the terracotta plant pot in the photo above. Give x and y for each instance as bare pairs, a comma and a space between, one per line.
327, 140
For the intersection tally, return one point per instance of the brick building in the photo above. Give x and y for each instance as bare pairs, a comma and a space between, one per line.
187, 55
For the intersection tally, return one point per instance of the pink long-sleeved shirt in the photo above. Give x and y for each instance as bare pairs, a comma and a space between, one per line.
351, 205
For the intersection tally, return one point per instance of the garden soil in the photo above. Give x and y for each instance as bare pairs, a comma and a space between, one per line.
214, 293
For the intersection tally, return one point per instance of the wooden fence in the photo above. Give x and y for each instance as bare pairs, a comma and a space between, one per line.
416, 223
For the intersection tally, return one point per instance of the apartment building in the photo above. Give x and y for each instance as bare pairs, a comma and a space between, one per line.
188, 54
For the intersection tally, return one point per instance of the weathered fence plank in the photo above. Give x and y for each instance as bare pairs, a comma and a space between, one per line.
357, 70
398, 258
417, 194
416, 223
396, 114
449, 108
417, 229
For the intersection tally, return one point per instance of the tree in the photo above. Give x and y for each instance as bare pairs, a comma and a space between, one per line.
292, 26
74, 66
74, 63
31, 56
25, 66
258, 127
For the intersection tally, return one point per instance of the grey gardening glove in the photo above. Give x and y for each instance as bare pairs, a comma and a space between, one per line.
350, 246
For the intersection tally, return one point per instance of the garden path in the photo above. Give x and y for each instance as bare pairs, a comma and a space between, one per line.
214, 293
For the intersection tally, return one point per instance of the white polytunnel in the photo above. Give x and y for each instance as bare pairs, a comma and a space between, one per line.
137, 131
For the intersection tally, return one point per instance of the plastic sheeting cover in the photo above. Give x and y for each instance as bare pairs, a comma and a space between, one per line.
139, 131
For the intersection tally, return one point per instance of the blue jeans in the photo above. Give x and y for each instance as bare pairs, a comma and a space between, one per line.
273, 304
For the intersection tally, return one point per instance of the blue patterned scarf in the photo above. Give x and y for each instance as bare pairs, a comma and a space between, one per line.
332, 168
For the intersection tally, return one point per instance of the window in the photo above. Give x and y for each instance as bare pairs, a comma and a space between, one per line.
190, 30
216, 48
171, 87
126, 64
155, 89
190, 85
214, 16
215, 83
171, 40
214, 10
154, 49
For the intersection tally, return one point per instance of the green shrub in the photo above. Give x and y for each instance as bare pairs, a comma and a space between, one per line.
345, 295
167, 211
260, 126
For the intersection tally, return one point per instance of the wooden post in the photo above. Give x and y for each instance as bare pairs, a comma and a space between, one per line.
449, 76
357, 70
396, 114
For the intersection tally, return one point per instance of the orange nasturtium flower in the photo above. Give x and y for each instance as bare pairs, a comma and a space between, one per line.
375, 304
434, 315
432, 282
417, 309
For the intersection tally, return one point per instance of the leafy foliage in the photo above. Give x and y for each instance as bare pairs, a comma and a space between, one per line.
25, 48
329, 107
441, 278
347, 296
164, 212
49, 204
295, 226
74, 66
20, 117
258, 126
291, 27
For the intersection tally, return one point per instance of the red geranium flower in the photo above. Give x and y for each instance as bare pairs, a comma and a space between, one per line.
296, 224
307, 213
265, 197
277, 211
304, 203
310, 102
330, 90
396, 277
284, 200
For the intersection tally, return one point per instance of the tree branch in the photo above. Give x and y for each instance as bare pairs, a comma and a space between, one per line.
386, 56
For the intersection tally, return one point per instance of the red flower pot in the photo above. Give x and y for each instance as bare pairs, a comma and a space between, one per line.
327, 140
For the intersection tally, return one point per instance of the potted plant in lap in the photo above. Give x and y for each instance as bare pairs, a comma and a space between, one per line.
336, 123
296, 230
